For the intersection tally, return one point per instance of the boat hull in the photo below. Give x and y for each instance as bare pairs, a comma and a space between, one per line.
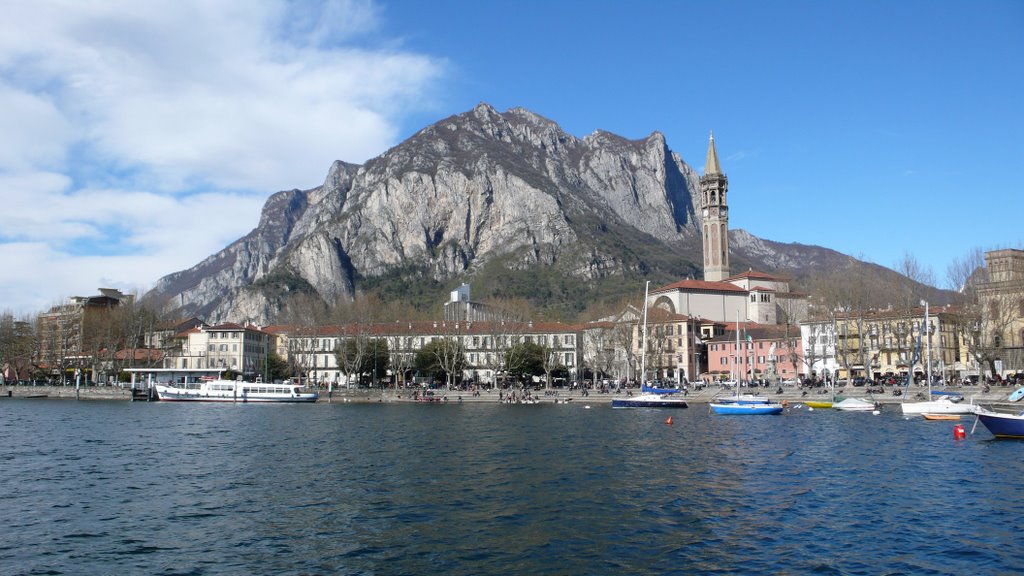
229, 391
815, 404
736, 409
940, 406
1003, 425
855, 405
649, 401
929, 416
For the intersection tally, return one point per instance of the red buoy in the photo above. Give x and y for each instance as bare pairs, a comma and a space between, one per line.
958, 432
669, 421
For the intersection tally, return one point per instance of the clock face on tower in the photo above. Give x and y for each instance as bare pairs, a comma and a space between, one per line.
705, 212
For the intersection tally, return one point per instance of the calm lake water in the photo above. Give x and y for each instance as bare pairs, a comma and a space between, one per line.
154, 488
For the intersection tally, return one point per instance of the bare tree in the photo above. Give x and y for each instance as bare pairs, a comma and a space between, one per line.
989, 309
17, 345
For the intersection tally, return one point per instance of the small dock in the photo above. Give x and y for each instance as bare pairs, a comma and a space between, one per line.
146, 394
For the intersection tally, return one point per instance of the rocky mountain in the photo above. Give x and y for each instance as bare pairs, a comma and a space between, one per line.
507, 201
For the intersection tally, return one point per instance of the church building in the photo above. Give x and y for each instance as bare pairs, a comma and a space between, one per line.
750, 296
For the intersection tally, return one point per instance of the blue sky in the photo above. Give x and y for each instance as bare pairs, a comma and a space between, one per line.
138, 138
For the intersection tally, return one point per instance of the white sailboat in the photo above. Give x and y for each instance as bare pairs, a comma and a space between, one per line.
942, 404
648, 399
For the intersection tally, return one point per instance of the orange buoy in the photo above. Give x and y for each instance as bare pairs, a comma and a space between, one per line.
669, 421
958, 432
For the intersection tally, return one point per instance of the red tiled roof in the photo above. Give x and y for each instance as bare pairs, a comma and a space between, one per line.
685, 285
425, 328
758, 275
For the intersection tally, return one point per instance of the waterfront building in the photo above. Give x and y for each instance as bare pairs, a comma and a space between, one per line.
998, 323
71, 335
228, 346
879, 344
484, 345
770, 352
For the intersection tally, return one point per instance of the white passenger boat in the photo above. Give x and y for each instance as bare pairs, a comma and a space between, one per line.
233, 391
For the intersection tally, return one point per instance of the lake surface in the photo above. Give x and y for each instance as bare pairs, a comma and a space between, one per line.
158, 488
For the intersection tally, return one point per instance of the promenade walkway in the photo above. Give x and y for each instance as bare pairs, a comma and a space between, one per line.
996, 394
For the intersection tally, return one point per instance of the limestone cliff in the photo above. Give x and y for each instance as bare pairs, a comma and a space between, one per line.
507, 200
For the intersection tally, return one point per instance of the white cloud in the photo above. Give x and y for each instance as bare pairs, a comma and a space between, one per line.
163, 126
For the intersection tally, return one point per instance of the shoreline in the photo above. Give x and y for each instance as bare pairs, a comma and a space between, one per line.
996, 395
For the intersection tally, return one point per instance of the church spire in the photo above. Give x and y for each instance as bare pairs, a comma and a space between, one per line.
711, 165
714, 187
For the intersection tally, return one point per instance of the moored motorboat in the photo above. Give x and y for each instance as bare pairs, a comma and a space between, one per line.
218, 390
650, 401
929, 416
855, 405
1016, 395
940, 405
818, 404
1002, 425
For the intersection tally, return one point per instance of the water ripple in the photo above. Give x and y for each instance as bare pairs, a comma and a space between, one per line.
116, 487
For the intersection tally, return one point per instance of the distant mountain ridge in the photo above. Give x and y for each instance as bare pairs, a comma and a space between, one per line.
508, 201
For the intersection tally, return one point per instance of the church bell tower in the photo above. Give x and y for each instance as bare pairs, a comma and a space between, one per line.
715, 218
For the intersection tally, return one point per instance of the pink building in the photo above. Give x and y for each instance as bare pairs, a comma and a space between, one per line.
765, 351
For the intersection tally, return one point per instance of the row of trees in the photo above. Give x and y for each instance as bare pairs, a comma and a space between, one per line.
441, 360
97, 340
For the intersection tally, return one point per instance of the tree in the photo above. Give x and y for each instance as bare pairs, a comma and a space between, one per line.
306, 314
17, 345
441, 358
403, 357
526, 359
377, 359
551, 360
277, 367
599, 350
351, 354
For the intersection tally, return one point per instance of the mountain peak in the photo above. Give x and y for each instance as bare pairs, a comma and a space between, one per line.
506, 199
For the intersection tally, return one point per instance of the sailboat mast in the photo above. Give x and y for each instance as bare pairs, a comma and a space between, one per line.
736, 362
643, 339
928, 349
